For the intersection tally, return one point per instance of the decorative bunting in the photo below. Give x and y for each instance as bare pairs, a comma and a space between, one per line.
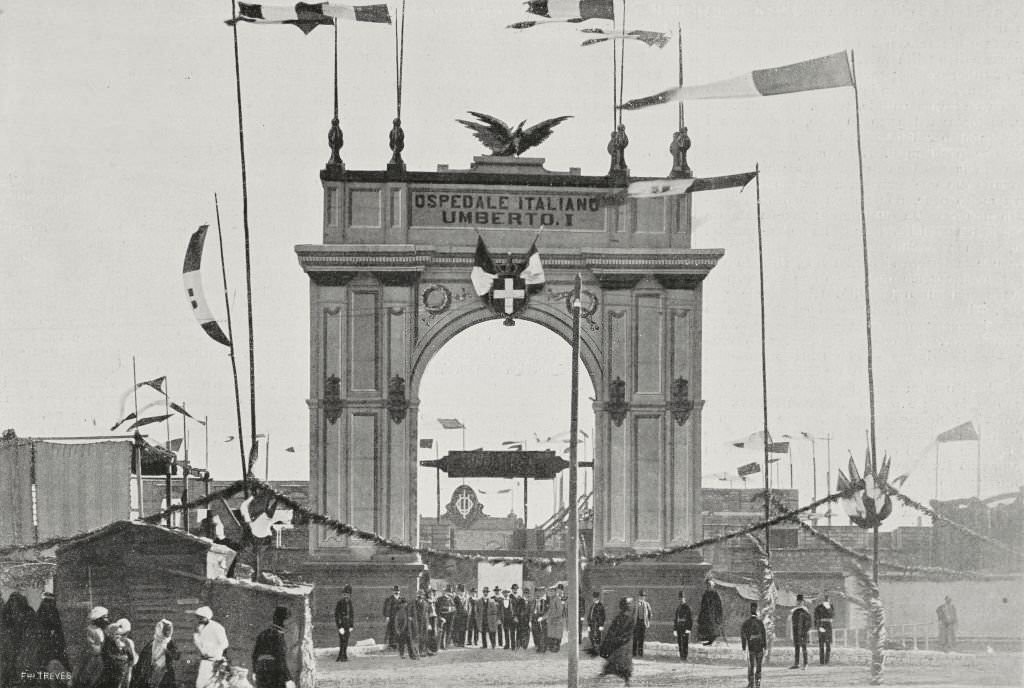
308, 16
194, 287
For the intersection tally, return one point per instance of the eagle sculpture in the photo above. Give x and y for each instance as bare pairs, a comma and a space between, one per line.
503, 140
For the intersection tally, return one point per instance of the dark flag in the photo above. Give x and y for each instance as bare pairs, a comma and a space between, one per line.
571, 11
194, 287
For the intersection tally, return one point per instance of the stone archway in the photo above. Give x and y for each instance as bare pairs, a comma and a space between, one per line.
390, 285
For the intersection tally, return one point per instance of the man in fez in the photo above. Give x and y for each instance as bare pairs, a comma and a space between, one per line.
681, 625
344, 620
391, 603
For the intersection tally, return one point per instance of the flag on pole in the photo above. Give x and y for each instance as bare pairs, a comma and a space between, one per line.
426, 443
290, 450
962, 433
174, 445
571, 11
181, 409
531, 271
778, 448
484, 273
156, 383
748, 469
146, 421
659, 188
654, 39
194, 287
308, 16
831, 71
451, 423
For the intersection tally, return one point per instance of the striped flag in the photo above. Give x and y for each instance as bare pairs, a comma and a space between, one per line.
654, 39
657, 188
964, 432
194, 287
308, 16
571, 11
483, 273
831, 71
531, 271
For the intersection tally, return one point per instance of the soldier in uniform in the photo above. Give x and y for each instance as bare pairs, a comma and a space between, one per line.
752, 639
681, 626
432, 621
801, 625
390, 607
460, 620
595, 621
823, 615
344, 619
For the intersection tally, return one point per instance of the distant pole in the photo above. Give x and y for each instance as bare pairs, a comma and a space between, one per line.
185, 468
138, 445
978, 443
828, 474
438, 485
764, 374
574, 539
248, 259
231, 353
167, 466
937, 471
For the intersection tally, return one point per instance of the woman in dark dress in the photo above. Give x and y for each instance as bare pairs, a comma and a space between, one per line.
617, 644
44, 650
156, 660
15, 619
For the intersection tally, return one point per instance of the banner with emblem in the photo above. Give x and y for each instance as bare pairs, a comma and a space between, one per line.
506, 289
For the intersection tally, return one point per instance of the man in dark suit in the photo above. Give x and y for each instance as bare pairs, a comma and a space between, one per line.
446, 616
523, 615
800, 621
753, 639
595, 621
344, 620
391, 603
823, 615
536, 611
509, 622
643, 622
489, 614
682, 624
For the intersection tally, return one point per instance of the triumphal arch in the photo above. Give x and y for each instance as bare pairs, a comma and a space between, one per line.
390, 285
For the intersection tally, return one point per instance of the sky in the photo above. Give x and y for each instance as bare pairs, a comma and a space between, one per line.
117, 129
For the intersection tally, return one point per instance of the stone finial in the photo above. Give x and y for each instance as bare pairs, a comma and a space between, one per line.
680, 145
617, 150
335, 139
396, 140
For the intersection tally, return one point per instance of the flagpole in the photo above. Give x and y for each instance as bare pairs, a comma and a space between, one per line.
978, 443
138, 447
682, 118
622, 61
764, 373
245, 231
231, 351
167, 466
185, 468
574, 541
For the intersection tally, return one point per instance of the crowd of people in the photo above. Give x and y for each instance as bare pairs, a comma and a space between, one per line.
456, 618
33, 652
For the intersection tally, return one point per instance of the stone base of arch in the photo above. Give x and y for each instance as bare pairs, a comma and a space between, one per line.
661, 580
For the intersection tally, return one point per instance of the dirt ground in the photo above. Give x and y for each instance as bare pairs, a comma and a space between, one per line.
478, 668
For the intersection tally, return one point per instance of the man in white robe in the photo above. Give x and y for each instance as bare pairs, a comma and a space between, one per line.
212, 642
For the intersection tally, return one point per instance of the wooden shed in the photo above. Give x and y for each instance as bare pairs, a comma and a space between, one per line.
144, 573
